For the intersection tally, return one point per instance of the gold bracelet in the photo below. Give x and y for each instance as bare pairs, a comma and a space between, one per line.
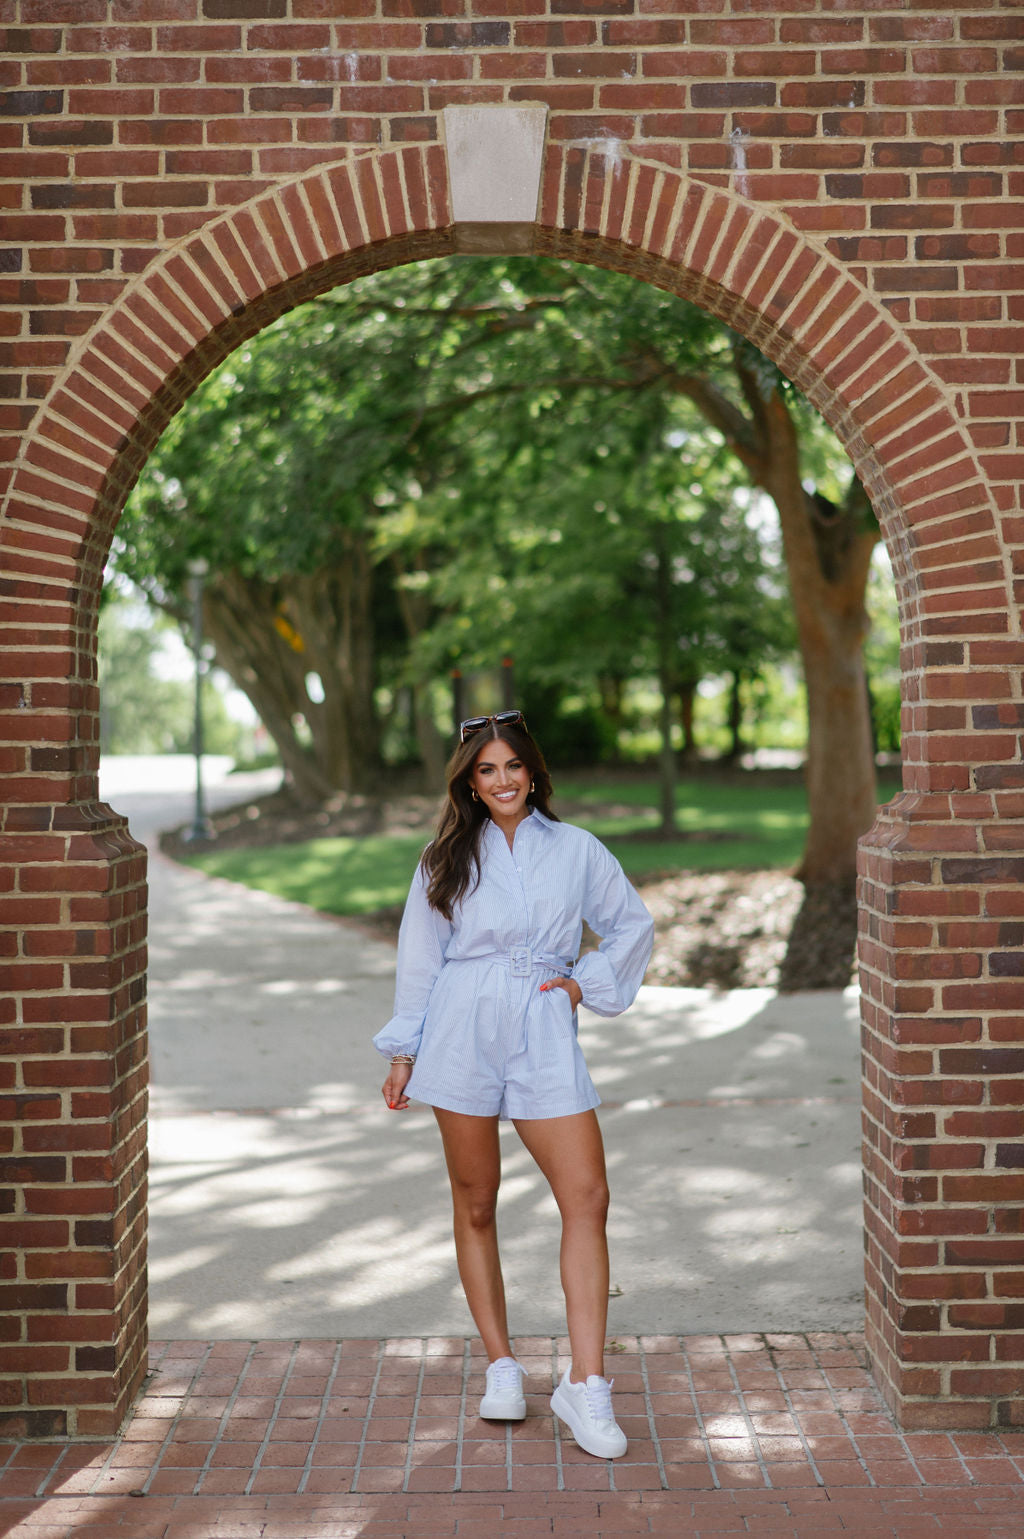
404, 1058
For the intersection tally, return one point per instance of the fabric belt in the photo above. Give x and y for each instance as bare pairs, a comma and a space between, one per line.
521, 961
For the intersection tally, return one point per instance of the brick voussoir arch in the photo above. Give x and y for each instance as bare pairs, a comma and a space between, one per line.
793, 300
123, 382
744, 264
184, 314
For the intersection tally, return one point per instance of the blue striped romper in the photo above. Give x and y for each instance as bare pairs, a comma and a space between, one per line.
467, 997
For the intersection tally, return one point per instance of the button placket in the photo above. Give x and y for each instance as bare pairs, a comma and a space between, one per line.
521, 968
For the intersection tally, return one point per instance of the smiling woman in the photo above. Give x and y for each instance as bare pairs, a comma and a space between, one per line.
502, 782
489, 979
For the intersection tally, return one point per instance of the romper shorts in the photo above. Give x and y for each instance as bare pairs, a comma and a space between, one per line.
494, 1045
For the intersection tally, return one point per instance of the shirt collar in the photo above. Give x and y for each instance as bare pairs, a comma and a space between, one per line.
535, 818
541, 821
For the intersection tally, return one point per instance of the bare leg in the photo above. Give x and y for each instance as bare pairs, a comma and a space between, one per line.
570, 1153
473, 1156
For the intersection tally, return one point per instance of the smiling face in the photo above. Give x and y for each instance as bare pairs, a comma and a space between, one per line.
502, 782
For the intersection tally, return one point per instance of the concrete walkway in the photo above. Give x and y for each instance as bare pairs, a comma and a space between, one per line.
287, 1202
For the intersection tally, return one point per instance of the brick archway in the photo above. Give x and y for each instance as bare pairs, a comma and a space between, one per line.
79, 969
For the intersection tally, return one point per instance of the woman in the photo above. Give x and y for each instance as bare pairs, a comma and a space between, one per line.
485, 1027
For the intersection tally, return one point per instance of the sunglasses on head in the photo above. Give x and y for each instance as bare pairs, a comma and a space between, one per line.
474, 724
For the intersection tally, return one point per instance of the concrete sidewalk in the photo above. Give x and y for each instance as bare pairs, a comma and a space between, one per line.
287, 1202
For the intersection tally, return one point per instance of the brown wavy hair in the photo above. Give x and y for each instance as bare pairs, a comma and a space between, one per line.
451, 861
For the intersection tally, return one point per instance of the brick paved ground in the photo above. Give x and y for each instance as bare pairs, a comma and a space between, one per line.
783, 1436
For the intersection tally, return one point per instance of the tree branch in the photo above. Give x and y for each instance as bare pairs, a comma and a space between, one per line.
444, 312
719, 412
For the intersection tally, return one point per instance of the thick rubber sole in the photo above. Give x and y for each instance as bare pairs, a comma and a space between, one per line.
503, 1410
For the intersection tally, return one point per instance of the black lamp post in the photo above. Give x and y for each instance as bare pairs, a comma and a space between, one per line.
197, 570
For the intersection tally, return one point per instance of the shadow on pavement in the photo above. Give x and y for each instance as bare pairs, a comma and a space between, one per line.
286, 1201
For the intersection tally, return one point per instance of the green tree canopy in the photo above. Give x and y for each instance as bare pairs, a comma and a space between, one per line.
473, 456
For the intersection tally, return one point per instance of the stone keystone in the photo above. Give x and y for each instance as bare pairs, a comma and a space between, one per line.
494, 170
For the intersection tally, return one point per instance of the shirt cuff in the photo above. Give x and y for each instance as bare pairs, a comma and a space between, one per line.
602, 992
400, 1035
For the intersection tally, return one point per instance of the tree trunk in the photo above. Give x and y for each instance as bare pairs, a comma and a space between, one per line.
686, 690
841, 791
270, 636
735, 718
267, 668
828, 560
428, 739
668, 771
828, 557
332, 612
840, 767
610, 687
416, 615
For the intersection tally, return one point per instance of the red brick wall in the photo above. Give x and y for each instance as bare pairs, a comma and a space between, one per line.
842, 182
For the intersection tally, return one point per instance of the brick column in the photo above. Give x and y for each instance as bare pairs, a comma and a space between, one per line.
72, 1071
942, 975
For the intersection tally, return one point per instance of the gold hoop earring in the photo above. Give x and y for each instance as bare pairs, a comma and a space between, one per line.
472, 792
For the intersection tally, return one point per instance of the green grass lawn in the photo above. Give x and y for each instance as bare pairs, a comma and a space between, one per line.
729, 826
337, 876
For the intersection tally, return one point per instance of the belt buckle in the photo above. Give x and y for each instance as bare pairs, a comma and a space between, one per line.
521, 961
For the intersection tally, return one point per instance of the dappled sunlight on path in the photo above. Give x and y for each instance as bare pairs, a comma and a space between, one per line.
286, 1201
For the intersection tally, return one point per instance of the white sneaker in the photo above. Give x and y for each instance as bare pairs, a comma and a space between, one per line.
587, 1411
504, 1399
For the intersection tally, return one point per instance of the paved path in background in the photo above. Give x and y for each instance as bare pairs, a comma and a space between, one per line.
287, 1202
